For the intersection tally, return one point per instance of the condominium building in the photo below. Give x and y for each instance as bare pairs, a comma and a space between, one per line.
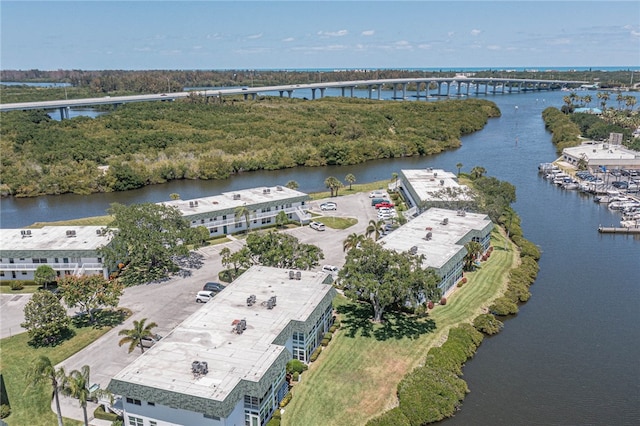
440, 235
219, 213
69, 250
225, 365
425, 188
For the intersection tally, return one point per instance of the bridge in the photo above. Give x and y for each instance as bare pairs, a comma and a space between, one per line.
448, 86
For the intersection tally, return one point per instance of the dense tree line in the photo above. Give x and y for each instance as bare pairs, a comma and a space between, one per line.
152, 143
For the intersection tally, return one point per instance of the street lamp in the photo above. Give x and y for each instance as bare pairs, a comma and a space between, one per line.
168, 85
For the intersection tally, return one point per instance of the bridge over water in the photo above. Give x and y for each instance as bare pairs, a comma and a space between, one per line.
448, 86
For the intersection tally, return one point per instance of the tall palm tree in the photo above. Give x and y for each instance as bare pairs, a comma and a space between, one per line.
243, 211
477, 172
375, 229
135, 335
333, 184
350, 179
352, 241
43, 370
77, 385
292, 184
459, 166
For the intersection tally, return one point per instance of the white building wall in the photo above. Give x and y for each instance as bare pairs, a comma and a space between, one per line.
167, 416
24, 268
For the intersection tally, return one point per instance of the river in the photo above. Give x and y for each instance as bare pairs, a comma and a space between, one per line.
570, 357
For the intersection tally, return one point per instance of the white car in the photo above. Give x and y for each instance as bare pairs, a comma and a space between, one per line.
330, 269
317, 226
204, 296
328, 206
378, 194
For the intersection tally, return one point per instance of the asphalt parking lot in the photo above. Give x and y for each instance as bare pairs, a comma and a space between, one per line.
169, 303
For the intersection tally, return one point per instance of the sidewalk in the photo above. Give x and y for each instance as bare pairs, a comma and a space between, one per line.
71, 409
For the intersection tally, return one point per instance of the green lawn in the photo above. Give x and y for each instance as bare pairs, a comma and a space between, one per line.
32, 405
337, 222
355, 188
356, 376
6, 289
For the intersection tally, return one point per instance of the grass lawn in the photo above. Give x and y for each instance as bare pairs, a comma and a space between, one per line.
5, 289
32, 405
87, 221
355, 188
337, 222
356, 376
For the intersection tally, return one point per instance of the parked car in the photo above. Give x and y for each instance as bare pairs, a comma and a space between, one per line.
378, 200
204, 296
377, 194
330, 269
328, 206
317, 226
384, 204
211, 286
151, 340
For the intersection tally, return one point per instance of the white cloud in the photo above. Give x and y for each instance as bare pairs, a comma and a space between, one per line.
450, 33
559, 41
288, 39
368, 33
424, 46
339, 33
402, 45
254, 36
494, 47
475, 32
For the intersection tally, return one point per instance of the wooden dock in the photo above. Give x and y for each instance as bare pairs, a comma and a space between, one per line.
613, 230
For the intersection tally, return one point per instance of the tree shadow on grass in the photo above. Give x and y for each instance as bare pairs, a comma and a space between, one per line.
357, 319
101, 318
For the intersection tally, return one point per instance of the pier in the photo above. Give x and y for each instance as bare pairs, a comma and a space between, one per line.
614, 230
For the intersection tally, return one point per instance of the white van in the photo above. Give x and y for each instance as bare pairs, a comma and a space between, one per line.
330, 269
318, 226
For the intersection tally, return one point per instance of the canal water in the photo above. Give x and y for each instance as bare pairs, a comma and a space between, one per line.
570, 356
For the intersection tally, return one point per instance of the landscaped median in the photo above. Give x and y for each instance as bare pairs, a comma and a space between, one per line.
356, 377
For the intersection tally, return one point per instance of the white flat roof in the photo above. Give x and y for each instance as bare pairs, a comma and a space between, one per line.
207, 335
53, 238
426, 182
443, 244
602, 151
231, 200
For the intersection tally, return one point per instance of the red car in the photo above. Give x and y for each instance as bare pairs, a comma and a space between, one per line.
384, 204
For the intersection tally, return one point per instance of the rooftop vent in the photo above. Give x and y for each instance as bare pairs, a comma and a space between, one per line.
461, 213
199, 368
292, 275
236, 196
266, 191
25, 233
441, 182
298, 275
445, 221
251, 300
239, 326
435, 174
428, 236
190, 203
71, 233
271, 303
413, 250
279, 188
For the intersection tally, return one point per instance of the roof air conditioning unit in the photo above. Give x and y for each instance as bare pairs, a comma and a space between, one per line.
413, 250
292, 274
236, 196
195, 203
298, 275
251, 300
428, 236
190, 203
199, 368
264, 191
445, 221
271, 303
435, 174
441, 182
25, 233
239, 326
71, 234
279, 188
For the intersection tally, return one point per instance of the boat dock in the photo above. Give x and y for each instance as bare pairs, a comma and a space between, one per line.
614, 230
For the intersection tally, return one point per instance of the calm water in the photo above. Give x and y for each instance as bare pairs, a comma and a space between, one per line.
570, 357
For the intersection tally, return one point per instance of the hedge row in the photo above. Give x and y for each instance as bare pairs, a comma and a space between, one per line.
99, 413
434, 391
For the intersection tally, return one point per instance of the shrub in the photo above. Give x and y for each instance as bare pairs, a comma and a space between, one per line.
295, 365
99, 413
487, 324
430, 304
333, 328
286, 400
328, 336
314, 356
5, 410
324, 342
503, 306
273, 422
17, 285
393, 417
295, 376
443, 301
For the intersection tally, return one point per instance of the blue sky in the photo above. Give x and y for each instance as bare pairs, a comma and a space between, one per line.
135, 35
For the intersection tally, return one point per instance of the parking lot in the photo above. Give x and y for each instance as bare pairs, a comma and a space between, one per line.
169, 303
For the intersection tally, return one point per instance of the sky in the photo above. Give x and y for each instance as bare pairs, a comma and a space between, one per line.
208, 35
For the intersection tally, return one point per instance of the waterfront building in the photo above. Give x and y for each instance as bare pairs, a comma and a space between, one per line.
425, 188
69, 250
226, 363
218, 213
440, 235
599, 155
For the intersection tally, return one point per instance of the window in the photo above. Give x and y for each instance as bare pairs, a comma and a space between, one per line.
153, 404
24, 273
135, 421
1, 273
99, 260
134, 401
201, 220
153, 423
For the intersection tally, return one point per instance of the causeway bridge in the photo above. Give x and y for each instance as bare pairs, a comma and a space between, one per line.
423, 88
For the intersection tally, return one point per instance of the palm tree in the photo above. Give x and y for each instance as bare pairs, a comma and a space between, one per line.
375, 229
43, 370
477, 172
604, 97
76, 385
351, 179
134, 336
394, 177
243, 211
352, 241
174, 196
459, 166
333, 184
